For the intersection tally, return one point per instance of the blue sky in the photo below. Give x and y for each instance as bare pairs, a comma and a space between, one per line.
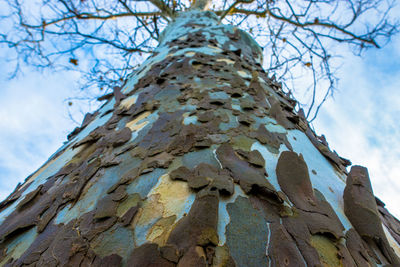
361, 122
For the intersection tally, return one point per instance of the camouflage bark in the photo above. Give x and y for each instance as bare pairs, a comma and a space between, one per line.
198, 160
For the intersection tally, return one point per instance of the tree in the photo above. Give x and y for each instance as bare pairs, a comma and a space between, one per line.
200, 159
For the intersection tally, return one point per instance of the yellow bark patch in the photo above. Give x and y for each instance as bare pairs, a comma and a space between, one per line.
327, 251
244, 74
137, 127
128, 102
173, 195
392, 241
227, 61
160, 231
217, 49
151, 210
134, 124
190, 54
155, 232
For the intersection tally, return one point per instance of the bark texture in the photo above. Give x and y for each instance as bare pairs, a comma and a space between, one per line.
199, 160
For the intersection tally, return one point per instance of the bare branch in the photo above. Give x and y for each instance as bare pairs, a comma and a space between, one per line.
105, 40
165, 9
232, 7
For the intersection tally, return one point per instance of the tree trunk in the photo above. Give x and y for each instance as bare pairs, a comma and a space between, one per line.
199, 160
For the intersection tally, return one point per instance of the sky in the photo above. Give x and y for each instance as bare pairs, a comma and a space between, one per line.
361, 122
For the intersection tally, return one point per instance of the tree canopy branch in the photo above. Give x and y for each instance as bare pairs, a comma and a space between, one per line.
105, 40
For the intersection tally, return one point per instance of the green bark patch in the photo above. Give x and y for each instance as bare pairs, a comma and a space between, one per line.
246, 234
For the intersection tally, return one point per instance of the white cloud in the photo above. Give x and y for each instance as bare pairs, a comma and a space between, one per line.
362, 122
33, 124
